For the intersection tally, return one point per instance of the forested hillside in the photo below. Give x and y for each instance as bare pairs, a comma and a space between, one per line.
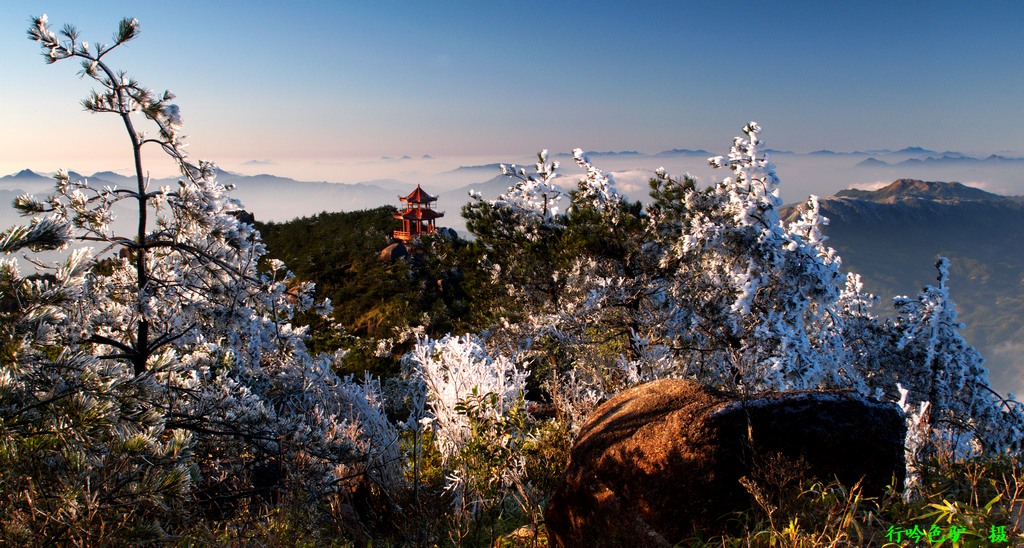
379, 304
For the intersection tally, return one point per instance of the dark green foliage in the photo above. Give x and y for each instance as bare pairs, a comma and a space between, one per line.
339, 252
439, 287
526, 259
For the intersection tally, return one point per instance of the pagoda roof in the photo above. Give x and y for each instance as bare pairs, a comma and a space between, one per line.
418, 196
419, 214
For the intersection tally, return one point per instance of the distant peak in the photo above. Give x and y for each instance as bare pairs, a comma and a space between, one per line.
915, 150
684, 152
872, 162
917, 186
916, 189
27, 173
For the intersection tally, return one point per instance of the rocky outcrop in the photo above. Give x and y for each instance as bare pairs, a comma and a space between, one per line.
243, 216
661, 462
394, 252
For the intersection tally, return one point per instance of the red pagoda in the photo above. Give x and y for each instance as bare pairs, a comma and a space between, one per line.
417, 217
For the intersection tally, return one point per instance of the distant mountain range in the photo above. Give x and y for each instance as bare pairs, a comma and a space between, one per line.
893, 236
273, 198
906, 152
946, 158
895, 157
270, 197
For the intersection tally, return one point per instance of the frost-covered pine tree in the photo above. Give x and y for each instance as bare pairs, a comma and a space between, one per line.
84, 458
759, 297
870, 344
576, 276
705, 283
174, 312
613, 288
948, 376
522, 232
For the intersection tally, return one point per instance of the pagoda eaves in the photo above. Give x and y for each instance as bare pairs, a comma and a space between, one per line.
417, 217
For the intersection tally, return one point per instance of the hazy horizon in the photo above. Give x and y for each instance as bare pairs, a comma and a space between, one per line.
801, 174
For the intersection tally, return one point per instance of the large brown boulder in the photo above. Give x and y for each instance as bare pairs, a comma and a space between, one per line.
662, 462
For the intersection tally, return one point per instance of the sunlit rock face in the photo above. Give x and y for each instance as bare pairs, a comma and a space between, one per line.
663, 462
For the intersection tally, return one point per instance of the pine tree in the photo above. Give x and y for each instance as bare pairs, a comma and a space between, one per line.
945, 373
168, 345
522, 233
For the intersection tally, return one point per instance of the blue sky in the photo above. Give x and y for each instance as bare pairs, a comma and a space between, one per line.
316, 81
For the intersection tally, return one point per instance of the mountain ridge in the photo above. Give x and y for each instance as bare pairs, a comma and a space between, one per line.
917, 189
946, 158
